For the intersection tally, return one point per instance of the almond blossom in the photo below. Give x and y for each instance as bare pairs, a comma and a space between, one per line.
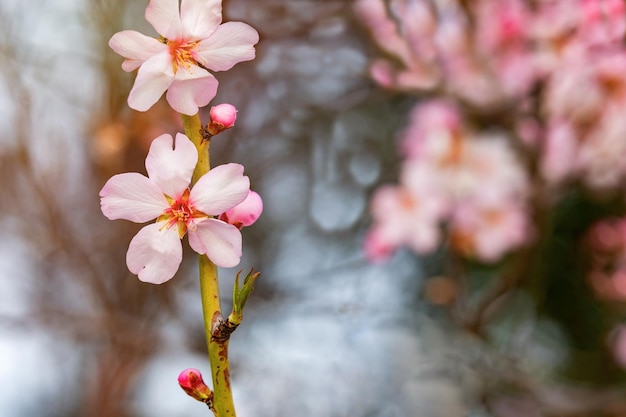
488, 228
432, 44
584, 106
155, 253
470, 184
403, 217
193, 40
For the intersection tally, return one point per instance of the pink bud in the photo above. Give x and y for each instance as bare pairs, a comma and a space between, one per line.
190, 380
223, 117
245, 213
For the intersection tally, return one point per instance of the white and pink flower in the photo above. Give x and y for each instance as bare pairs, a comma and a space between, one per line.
155, 253
403, 217
489, 228
467, 184
193, 40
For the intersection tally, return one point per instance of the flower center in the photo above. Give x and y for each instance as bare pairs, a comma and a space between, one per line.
182, 54
181, 213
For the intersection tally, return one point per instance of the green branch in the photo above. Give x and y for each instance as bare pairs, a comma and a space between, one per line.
223, 405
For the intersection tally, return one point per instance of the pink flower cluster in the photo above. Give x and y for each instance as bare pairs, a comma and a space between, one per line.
471, 182
483, 60
487, 51
545, 81
585, 128
211, 214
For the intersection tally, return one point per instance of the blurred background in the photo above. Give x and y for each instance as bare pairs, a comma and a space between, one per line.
320, 128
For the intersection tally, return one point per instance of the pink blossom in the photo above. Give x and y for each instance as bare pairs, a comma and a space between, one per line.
574, 93
193, 41
602, 21
463, 164
559, 153
584, 104
223, 117
489, 228
485, 165
402, 218
245, 213
432, 125
502, 39
603, 152
470, 181
415, 50
155, 253
432, 44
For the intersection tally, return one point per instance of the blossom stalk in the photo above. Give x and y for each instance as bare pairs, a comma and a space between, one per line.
223, 404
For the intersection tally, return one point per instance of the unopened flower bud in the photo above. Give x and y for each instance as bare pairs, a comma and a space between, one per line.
223, 117
190, 380
245, 213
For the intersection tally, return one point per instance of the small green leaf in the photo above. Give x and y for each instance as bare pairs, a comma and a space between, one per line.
241, 294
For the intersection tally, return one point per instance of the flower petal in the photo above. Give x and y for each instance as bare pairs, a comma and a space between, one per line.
154, 77
155, 253
164, 16
171, 165
200, 18
133, 197
220, 189
231, 43
187, 95
135, 47
220, 241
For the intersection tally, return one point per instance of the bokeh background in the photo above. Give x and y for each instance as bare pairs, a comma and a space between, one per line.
326, 332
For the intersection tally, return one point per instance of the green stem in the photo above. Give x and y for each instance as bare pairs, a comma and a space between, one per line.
209, 290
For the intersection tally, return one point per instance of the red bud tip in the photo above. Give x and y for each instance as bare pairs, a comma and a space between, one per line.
190, 380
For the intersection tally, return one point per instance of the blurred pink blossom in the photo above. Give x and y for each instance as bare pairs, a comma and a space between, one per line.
584, 106
193, 40
527, 100
435, 118
503, 40
433, 43
403, 218
406, 34
155, 253
603, 21
452, 175
487, 230
559, 152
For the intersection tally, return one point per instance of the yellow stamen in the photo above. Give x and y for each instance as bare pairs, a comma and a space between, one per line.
182, 54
